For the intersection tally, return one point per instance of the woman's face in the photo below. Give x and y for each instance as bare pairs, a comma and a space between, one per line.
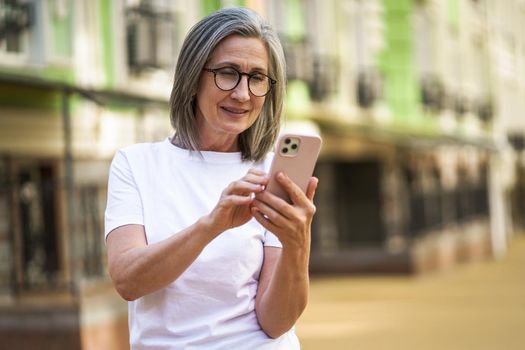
223, 115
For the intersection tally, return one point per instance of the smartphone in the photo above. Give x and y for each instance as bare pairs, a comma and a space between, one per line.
295, 155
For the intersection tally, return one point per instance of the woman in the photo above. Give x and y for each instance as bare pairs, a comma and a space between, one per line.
204, 256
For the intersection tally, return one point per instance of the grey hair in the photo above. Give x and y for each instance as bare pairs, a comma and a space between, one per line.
198, 46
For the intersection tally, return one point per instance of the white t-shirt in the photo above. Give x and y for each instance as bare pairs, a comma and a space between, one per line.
212, 304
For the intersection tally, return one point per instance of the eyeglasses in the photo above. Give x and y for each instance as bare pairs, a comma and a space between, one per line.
227, 79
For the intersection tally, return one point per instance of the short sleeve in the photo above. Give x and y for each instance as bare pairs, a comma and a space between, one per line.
124, 204
270, 240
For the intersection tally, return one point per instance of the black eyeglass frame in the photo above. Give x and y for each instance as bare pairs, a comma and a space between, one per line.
249, 75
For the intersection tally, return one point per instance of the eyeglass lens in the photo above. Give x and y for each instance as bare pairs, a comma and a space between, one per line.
229, 78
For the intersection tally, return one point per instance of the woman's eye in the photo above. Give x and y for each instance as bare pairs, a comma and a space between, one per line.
228, 73
258, 78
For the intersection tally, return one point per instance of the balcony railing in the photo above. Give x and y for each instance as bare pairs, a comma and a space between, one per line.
369, 87
151, 38
325, 77
16, 18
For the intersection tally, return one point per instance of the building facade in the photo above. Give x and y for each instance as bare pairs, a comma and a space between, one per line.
420, 105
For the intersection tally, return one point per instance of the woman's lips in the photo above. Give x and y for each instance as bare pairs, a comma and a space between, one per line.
234, 110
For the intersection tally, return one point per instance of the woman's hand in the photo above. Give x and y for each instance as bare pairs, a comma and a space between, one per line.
291, 223
233, 208
283, 284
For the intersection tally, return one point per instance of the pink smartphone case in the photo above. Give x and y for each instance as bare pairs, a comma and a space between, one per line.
299, 167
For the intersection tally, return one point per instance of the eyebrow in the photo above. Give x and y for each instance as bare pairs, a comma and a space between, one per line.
235, 65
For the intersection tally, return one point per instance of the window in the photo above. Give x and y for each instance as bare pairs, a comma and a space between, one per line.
36, 226
16, 19
151, 35
90, 227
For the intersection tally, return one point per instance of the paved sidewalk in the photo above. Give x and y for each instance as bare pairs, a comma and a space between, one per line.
478, 306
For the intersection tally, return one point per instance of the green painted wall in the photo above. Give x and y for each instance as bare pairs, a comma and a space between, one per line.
209, 6
60, 74
105, 10
61, 30
295, 20
29, 98
453, 13
297, 98
396, 63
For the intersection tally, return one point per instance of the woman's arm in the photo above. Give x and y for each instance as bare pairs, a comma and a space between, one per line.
137, 268
284, 281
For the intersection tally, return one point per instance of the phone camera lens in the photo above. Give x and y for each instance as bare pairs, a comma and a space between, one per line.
285, 150
294, 146
287, 141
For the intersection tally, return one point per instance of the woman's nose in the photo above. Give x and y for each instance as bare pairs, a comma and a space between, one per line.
242, 91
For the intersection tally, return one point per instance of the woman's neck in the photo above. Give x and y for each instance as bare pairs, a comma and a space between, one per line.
216, 145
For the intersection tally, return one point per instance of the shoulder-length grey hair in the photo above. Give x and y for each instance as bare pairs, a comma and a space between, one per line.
199, 44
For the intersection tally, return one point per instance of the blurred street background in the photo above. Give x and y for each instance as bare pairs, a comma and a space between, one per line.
477, 306
418, 239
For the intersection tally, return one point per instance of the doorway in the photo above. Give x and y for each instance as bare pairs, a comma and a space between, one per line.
37, 249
